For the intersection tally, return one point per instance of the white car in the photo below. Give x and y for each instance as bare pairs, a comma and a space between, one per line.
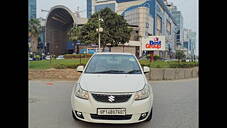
187, 60
30, 59
60, 57
47, 57
113, 89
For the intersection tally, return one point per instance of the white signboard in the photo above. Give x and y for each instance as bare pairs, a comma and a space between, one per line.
153, 43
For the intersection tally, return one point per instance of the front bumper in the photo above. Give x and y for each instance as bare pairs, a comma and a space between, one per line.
134, 109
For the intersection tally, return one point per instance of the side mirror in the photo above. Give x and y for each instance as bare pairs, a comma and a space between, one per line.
80, 68
146, 69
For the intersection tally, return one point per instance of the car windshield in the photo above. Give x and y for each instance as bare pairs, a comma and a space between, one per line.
113, 64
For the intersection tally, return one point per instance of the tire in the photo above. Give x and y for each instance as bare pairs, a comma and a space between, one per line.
150, 116
74, 117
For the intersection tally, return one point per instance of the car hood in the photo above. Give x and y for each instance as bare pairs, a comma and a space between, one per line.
112, 82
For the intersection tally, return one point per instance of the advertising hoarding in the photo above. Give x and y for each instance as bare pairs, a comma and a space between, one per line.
153, 43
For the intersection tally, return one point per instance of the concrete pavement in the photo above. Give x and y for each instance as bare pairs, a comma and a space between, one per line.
175, 105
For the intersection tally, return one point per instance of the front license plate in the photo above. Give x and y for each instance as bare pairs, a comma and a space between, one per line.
110, 111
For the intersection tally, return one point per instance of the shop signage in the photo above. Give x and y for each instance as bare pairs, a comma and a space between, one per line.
153, 43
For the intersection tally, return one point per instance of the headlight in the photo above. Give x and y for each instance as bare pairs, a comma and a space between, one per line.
79, 92
142, 94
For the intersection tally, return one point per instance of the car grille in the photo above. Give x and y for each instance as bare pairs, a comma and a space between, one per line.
111, 98
111, 117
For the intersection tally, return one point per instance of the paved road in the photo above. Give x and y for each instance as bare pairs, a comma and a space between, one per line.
175, 106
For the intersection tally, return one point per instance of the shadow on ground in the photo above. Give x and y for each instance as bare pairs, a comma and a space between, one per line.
98, 125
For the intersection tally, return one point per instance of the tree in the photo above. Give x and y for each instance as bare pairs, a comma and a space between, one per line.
115, 29
74, 33
180, 55
34, 29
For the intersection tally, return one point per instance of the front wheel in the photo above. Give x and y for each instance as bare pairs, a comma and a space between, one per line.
150, 116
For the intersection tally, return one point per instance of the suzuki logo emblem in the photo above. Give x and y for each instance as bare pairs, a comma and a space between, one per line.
111, 98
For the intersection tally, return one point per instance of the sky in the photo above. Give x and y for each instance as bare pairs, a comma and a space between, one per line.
188, 8
71, 4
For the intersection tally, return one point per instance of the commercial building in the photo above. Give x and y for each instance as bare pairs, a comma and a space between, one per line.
31, 9
151, 16
177, 15
60, 20
146, 17
189, 43
90, 8
193, 38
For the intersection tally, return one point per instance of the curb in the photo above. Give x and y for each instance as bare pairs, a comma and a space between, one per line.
156, 74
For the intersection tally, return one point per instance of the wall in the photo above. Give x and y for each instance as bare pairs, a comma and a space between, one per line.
172, 73
53, 74
154, 74
127, 49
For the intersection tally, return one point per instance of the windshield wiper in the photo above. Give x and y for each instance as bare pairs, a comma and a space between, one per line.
134, 71
111, 71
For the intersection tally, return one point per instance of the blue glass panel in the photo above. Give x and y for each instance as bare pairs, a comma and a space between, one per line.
102, 6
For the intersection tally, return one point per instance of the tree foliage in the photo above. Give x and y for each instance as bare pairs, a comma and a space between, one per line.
115, 29
34, 28
74, 33
180, 55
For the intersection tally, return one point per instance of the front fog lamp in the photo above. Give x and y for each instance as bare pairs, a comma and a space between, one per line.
143, 116
142, 94
79, 114
79, 92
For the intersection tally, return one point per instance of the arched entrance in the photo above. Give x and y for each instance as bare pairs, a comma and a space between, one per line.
59, 21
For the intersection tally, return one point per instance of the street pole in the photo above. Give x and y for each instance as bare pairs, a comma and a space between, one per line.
151, 56
99, 32
141, 45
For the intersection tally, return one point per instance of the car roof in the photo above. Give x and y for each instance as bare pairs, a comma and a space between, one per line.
121, 53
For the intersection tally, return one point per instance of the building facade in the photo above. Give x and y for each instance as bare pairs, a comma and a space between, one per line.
189, 43
101, 4
186, 42
165, 25
31, 9
179, 27
151, 16
193, 38
90, 8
